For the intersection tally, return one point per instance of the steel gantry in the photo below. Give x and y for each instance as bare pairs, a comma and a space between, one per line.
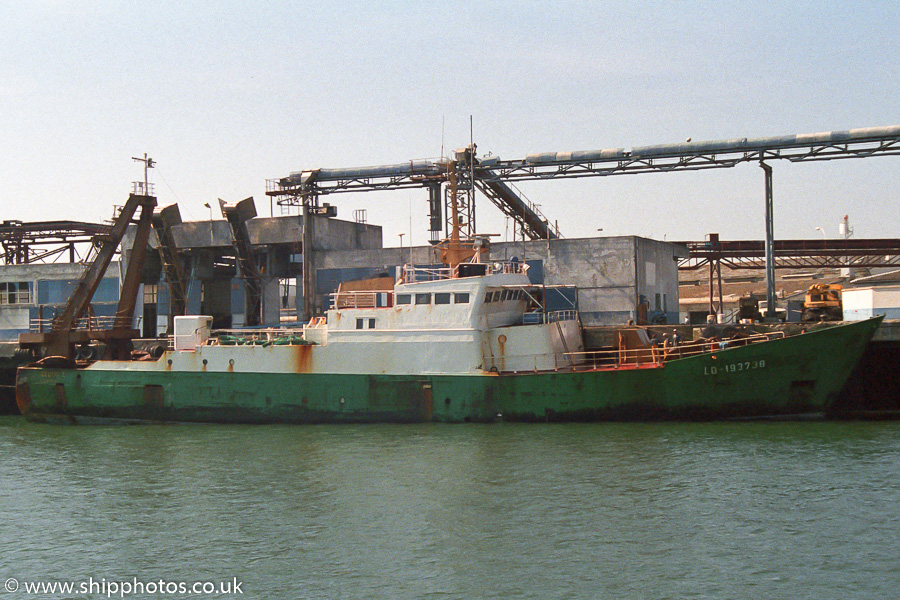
694, 156
792, 254
786, 254
495, 177
44, 241
303, 188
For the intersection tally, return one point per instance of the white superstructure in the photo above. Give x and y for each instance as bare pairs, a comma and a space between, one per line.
433, 321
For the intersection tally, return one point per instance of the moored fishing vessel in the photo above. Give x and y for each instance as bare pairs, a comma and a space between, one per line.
472, 340
468, 342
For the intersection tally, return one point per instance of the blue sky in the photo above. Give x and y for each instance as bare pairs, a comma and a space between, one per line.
226, 95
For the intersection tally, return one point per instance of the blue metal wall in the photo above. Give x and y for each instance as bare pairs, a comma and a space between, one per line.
53, 294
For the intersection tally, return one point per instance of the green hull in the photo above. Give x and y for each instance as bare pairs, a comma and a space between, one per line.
786, 377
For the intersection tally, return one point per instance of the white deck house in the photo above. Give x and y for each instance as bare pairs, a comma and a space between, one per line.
868, 297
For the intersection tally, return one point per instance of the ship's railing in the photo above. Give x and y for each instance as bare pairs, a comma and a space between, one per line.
534, 318
413, 274
362, 299
268, 336
168, 340
85, 323
659, 354
618, 358
40, 325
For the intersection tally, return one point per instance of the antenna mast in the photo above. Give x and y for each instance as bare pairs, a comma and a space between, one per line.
149, 163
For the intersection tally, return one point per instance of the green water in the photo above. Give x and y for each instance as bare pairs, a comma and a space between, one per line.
746, 510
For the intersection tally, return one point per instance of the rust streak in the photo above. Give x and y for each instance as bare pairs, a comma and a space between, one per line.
23, 397
302, 358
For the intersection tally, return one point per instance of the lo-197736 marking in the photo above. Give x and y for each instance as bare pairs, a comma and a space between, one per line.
735, 367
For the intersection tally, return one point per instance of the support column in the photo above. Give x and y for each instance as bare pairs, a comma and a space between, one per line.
309, 286
436, 221
770, 245
721, 298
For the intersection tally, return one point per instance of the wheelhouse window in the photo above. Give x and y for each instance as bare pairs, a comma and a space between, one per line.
15, 292
423, 298
365, 323
404, 299
489, 297
461, 298
442, 298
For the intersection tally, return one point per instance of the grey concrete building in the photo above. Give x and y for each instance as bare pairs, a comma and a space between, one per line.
617, 278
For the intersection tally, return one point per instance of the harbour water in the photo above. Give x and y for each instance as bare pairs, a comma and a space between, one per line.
685, 510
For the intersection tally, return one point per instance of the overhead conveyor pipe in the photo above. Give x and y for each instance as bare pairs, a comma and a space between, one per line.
494, 175
857, 136
407, 169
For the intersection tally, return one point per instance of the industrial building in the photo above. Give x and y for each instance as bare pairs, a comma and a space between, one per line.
216, 284
30, 293
616, 278
247, 271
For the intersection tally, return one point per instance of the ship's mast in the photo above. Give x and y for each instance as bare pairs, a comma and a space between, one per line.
149, 163
454, 249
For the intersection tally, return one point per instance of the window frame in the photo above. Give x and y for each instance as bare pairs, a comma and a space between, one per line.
16, 293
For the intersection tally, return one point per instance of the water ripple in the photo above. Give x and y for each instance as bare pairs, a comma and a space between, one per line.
800, 510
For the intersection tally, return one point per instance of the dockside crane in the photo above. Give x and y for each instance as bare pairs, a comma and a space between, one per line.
164, 220
67, 330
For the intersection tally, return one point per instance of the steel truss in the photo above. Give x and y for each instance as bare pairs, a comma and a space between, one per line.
24, 243
683, 157
794, 254
492, 175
